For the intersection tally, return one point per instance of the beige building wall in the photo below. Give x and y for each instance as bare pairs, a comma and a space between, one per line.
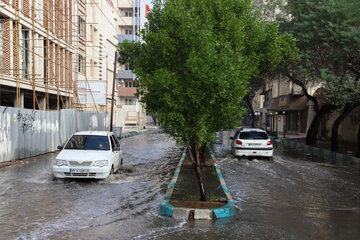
36, 45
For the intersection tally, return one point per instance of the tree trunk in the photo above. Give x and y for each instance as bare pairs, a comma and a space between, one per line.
203, 156
199, 173
247, 99
358, 142
335, 127
189, 148
315, 124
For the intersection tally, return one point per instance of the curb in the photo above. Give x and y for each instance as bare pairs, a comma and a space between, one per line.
134, 134
334, 158
166, 209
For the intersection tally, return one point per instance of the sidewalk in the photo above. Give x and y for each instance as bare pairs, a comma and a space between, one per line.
322, 150
344, 149
126, 130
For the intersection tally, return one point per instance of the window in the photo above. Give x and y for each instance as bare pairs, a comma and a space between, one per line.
127, 67
88, 142
128, 32
116, 141
130, 101
128, 14
136, 12
81, 64
81, 26
25, 53
1, 45
112, 142
253, 135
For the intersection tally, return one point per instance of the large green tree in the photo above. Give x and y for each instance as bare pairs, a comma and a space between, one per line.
194, 63
328, 37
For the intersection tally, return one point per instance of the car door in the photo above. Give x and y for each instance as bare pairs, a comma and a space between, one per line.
117, 143
116, 151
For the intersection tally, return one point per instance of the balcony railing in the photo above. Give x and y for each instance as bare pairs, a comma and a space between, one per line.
125, 74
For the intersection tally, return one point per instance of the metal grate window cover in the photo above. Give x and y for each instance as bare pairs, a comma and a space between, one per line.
26, 8
6, 47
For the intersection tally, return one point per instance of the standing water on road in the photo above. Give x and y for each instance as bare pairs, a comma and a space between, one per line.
290, 198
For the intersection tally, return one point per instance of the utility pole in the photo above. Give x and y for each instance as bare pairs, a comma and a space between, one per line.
112, 94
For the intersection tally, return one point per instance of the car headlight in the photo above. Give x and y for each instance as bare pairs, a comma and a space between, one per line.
61, 162
101, 163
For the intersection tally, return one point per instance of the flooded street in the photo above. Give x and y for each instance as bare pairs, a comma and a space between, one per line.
293, 197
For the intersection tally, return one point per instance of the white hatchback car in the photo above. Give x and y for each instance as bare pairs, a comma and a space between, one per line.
251, 142
88, 154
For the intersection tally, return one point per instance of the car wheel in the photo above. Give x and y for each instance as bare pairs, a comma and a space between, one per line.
112, 170
121, 161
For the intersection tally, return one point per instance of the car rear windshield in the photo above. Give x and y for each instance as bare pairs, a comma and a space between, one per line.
253, 135
88, 142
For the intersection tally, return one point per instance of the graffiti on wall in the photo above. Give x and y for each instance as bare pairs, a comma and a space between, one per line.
27, 121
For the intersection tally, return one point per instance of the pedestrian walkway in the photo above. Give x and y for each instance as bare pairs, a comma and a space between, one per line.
322, 150
324, 144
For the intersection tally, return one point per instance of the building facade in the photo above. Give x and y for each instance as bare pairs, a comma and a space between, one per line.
57, 54
282, 108
132, 20
37, 54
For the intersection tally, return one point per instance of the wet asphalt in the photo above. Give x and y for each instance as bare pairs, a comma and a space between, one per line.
293, 197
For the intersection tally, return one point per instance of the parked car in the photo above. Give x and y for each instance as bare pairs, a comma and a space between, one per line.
88, 154
251, 142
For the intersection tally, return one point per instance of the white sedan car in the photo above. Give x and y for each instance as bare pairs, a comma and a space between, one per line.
88, 154
251, 142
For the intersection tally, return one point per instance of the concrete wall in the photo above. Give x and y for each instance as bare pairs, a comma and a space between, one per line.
27, 133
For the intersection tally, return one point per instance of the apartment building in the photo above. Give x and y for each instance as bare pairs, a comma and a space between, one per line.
132, 14
97, 44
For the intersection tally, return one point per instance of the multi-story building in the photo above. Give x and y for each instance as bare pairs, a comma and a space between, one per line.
96, 46
132, 14
57, 54
283, 107
36, 53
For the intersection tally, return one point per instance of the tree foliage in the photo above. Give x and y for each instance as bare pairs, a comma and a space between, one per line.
328, 36
196, 59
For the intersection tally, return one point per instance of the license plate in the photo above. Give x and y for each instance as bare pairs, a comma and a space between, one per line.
254, 144
79, 170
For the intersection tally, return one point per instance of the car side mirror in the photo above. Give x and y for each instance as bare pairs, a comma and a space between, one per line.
60, 147
116, 149
231, 138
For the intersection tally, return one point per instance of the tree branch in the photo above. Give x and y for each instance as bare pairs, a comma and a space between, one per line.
302, 85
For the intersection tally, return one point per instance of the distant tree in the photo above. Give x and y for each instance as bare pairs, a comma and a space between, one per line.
194, 64
328, 37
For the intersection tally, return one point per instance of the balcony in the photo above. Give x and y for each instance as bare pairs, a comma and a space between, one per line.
126, 92
125, 74
122, 37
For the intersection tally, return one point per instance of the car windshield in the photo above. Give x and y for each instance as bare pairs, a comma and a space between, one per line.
253, 135
88, 142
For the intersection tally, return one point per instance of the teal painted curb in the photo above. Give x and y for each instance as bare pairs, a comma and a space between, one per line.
166, 209
134, 134
334, 158
229, 209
